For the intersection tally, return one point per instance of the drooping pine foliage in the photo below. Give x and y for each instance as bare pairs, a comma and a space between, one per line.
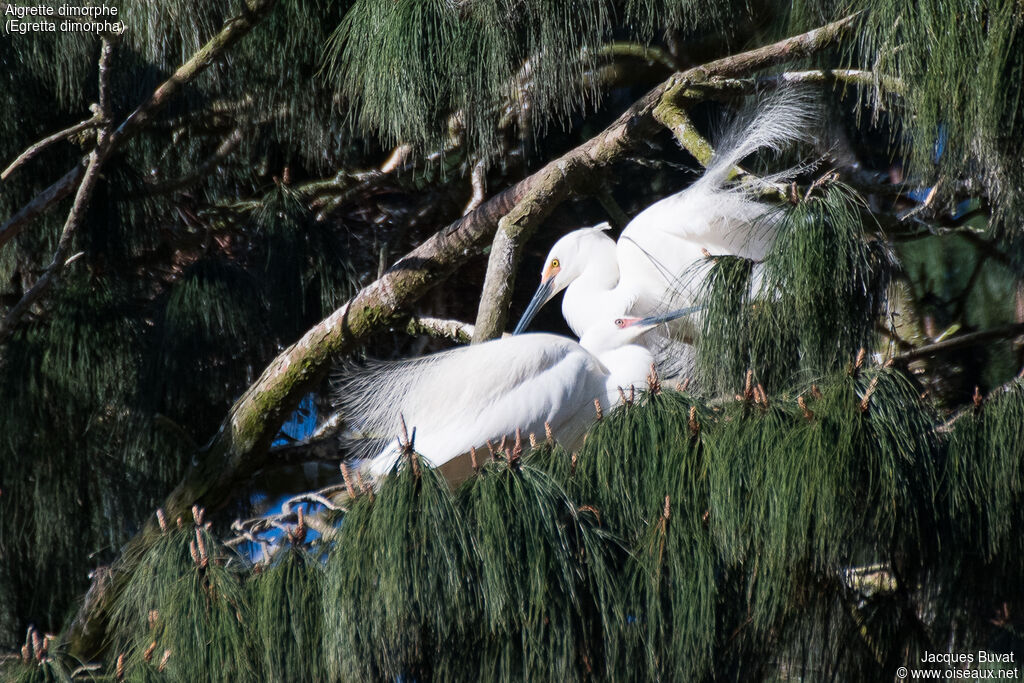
184, 612
289, 622
960, 63
544, 576
171, 307
406, 606
420, 69
818, 518
827, 535
783, 316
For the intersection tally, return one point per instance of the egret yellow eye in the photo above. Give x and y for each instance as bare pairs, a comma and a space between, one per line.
554, 263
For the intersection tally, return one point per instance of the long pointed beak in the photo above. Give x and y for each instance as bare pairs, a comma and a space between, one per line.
655, 320
544, 292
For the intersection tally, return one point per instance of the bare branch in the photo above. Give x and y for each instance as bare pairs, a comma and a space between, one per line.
232, 31
455, 330
224, 149
81, 203
962, 341
38, 147
478, 180
41, 202
56, 267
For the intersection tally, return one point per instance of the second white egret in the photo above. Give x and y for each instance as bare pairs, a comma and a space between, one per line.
647, 268
461, 399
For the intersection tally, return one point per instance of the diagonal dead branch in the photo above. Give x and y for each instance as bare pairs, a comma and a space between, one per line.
78, 208
551, 185
231, 32
41, 202
38, 147
56, 267
962, 341
224, 149
456, 330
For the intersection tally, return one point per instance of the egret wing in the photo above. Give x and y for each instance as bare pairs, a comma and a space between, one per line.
464, 397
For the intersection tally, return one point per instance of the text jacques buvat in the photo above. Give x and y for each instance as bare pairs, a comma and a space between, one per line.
23, 19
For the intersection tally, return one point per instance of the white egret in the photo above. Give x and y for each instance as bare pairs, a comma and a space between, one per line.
647, 268
461, 399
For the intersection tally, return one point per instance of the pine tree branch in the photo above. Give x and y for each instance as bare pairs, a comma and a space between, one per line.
224, 149
455, 330
961, 342
241, 445
232, 31
38, 147
82, 196
552, 185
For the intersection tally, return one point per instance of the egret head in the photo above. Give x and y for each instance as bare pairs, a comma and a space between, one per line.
565, 262
625, 330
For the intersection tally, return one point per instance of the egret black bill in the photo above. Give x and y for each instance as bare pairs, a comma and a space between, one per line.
654, 320
544, 292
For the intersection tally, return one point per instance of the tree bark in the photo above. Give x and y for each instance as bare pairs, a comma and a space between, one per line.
233, 30
551, 185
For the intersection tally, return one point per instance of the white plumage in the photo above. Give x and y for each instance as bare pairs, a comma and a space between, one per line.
654, 263
461, 399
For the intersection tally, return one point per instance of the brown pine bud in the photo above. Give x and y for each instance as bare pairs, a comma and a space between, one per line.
808, 413
653, 383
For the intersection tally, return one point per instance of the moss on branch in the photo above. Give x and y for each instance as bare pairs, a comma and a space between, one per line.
678, 121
